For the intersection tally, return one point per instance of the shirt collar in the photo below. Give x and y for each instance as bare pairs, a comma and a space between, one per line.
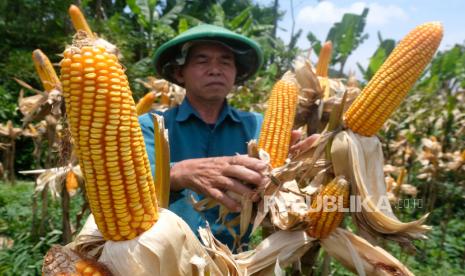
185, 110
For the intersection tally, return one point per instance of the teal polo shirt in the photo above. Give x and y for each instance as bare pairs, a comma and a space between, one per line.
190, 137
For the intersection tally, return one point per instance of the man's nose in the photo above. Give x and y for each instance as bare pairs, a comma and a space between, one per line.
215, 68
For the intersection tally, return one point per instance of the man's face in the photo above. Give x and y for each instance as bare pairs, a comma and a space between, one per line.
209, 72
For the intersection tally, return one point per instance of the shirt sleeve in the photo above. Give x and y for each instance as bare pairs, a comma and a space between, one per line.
259, 121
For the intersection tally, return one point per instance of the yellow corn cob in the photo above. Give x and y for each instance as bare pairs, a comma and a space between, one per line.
71, 182
145, 104
79, 21
91, 268
45, 70
324, 59
61, 261
323, 219
108, 141
388, 87
275, 134
162, 161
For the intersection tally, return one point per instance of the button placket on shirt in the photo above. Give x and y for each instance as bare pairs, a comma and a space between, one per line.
210, 140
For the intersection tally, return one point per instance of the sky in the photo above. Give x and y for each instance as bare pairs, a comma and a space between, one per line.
393, 19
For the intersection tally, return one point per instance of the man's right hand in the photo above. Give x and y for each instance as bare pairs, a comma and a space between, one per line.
215, 176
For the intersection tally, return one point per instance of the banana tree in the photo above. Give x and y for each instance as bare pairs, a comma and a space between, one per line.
345, 35
376, 60
152, 21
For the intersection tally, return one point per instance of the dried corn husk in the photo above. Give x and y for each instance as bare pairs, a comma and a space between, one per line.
54, 178
285, 247
170, 94
309, 93
38, 106
288, 208
272, 254
162, 160
278, 250
359, 256
361, 160
168, 248
220, 253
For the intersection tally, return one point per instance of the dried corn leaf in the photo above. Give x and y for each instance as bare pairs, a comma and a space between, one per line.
245, 215
361, 159
219, 252
203, 204
167, 248
306, 77
309, 94
9, 130
162, 161
359, 256
30, 104
27, 86
288, 210
279, 249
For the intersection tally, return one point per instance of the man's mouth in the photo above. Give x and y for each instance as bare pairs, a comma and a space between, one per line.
215, 83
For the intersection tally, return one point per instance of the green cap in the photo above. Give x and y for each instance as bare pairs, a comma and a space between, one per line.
248, 54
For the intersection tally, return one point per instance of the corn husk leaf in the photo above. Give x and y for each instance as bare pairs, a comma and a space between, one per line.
9, 130
288, 208
38, 106
278, 250
306, 76
359, 256
168, 248
271, 255
361, 160
289, 187
170, 94
203, 204
162, 161
245, 215
28, 105
29, 87
219, 252
309, 93
54, 179
332, 87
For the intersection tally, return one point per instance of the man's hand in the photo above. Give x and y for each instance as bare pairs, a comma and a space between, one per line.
215, 176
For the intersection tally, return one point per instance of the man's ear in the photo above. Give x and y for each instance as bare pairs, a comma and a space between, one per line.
178, 75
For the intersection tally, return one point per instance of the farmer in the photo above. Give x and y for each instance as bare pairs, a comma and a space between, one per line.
208, 138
